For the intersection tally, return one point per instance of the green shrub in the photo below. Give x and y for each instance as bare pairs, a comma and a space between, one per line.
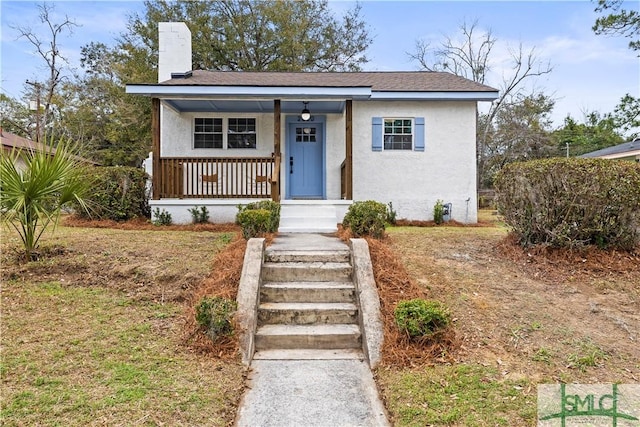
117, 193
571, 202
271, 206
161, 217
366, 218
214, 315
421, 318
438, 212
199, 214
253, 222
391, 214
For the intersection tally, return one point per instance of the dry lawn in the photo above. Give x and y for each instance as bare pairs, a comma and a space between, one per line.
521, 318
94, 332
100, 331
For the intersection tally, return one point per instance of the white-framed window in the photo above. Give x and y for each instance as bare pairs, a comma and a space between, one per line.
241, 133
398, 133
216, 132
207, 132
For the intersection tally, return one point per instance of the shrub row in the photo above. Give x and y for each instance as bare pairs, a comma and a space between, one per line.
571, 202
118, 193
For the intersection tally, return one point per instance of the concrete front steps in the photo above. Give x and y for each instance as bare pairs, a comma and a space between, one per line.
307, 306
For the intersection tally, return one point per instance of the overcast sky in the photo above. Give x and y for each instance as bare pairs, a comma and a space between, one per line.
589, 72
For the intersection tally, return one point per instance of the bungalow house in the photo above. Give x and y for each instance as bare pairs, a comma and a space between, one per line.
315, 142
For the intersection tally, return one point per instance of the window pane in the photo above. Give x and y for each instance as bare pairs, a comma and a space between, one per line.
207, 132
242, 133
398, 134
239, 140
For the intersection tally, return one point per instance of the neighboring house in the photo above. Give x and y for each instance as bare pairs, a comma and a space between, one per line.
11, 141
626, 151
313, 141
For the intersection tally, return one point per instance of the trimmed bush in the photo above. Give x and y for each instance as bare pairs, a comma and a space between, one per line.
269, 205
214, 315
118, 193
199, 214
254, 222
161, 217
571, 202
438, 212
421, 318
366, 218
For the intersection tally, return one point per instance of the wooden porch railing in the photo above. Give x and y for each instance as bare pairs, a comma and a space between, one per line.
221, 177
343, 180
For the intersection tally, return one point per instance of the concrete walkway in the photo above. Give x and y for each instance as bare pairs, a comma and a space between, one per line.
308, 393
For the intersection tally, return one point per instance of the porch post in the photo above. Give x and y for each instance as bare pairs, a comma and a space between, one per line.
155, 142
349, 149
275, 179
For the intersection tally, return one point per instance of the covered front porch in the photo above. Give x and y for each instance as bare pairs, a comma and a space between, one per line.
305, 162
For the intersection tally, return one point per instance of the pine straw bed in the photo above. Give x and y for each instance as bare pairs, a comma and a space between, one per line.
394, 285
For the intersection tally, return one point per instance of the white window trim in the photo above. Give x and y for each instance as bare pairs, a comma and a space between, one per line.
225, 131
193, 133
413, 133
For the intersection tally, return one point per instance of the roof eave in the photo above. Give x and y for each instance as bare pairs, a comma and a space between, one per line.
436, 96
326, 92
163, 91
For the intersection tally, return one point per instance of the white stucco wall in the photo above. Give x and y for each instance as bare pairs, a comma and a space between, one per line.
176, 138
415, 180
412, 180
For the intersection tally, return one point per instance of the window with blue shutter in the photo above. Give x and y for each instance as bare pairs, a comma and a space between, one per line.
376, 134
398, 134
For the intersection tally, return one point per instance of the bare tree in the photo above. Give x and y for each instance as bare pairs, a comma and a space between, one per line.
471, 57
468, 58
47, 47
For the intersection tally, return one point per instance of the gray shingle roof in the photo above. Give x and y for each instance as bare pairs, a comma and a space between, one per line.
405, 81
626, 147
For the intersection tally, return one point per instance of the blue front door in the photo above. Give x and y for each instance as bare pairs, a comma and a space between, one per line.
305, 161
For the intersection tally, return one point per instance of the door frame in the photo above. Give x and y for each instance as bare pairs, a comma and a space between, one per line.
317, 120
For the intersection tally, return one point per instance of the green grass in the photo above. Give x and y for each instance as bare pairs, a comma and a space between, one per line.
84, 356
469, 395
586, 355
93, 336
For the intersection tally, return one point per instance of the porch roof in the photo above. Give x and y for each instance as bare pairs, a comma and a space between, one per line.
419, 85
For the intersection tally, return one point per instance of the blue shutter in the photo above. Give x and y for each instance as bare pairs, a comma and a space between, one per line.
419, 133
376, 133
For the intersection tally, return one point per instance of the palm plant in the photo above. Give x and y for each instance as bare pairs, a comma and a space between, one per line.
31, 198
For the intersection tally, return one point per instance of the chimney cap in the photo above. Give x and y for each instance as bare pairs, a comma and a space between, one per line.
184, 75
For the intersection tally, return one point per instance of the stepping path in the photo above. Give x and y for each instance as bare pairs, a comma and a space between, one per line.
309, 368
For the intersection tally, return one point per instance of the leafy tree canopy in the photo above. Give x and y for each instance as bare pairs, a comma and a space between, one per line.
620, 22
286, 35
597, 132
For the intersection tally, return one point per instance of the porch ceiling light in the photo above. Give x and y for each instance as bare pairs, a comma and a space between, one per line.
306, 114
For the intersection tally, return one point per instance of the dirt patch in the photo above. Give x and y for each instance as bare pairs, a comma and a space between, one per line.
551, 315
145, 224
147, 265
